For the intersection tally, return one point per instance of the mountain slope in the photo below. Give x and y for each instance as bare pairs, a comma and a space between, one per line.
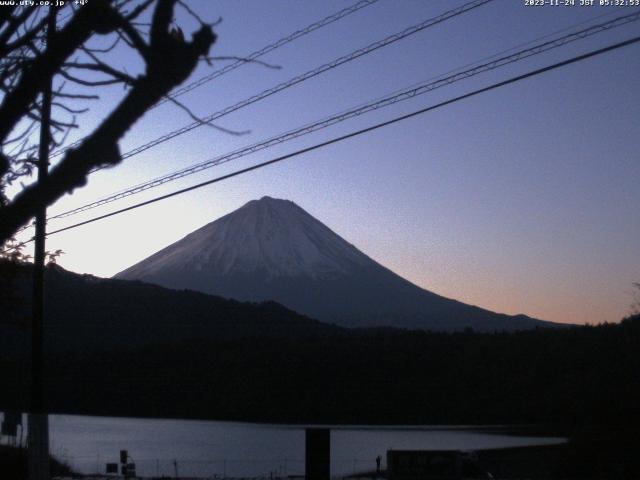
272, 249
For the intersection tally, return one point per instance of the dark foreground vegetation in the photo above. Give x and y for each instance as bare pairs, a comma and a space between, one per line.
572, 378
276, 366
127, 348
13, 464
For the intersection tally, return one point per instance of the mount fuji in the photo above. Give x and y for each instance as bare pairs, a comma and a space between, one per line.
271, 249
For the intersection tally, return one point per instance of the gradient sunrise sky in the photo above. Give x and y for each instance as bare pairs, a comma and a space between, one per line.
521, 200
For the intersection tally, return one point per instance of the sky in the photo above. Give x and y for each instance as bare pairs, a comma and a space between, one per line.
520, 200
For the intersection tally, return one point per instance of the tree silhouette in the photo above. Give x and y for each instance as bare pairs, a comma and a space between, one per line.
635, 306
28, 63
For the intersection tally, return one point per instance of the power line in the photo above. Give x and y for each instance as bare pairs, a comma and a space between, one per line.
269, 48
248, 59
307, 75
494, 86
312, 73
412, 92
511, 49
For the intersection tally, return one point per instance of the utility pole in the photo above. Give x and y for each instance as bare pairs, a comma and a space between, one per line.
317, 454
38, 419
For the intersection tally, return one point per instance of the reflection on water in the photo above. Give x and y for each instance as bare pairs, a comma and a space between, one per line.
206, 448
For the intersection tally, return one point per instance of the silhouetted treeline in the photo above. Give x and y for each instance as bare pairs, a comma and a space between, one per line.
575, 377
580, 376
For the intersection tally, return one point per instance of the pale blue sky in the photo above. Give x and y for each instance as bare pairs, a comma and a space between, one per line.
524, 199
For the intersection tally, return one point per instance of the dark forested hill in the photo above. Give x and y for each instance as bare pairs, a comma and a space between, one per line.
90, 314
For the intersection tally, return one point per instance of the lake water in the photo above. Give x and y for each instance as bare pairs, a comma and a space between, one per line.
208, 448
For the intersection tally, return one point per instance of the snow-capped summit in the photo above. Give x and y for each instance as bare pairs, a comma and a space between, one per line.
271, 249
270, 237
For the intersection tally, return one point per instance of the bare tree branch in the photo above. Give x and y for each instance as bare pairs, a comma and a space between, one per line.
169, 62
88, 83
66, 108
195, 118
76, 96
93, 18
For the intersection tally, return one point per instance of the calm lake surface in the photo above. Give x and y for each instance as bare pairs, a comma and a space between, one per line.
208, 448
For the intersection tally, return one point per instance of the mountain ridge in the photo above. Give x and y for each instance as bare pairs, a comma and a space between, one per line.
272, 249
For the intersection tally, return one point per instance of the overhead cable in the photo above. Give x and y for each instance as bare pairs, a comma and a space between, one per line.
334, 140
307, 75
406, 94
249, 58
269, 48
